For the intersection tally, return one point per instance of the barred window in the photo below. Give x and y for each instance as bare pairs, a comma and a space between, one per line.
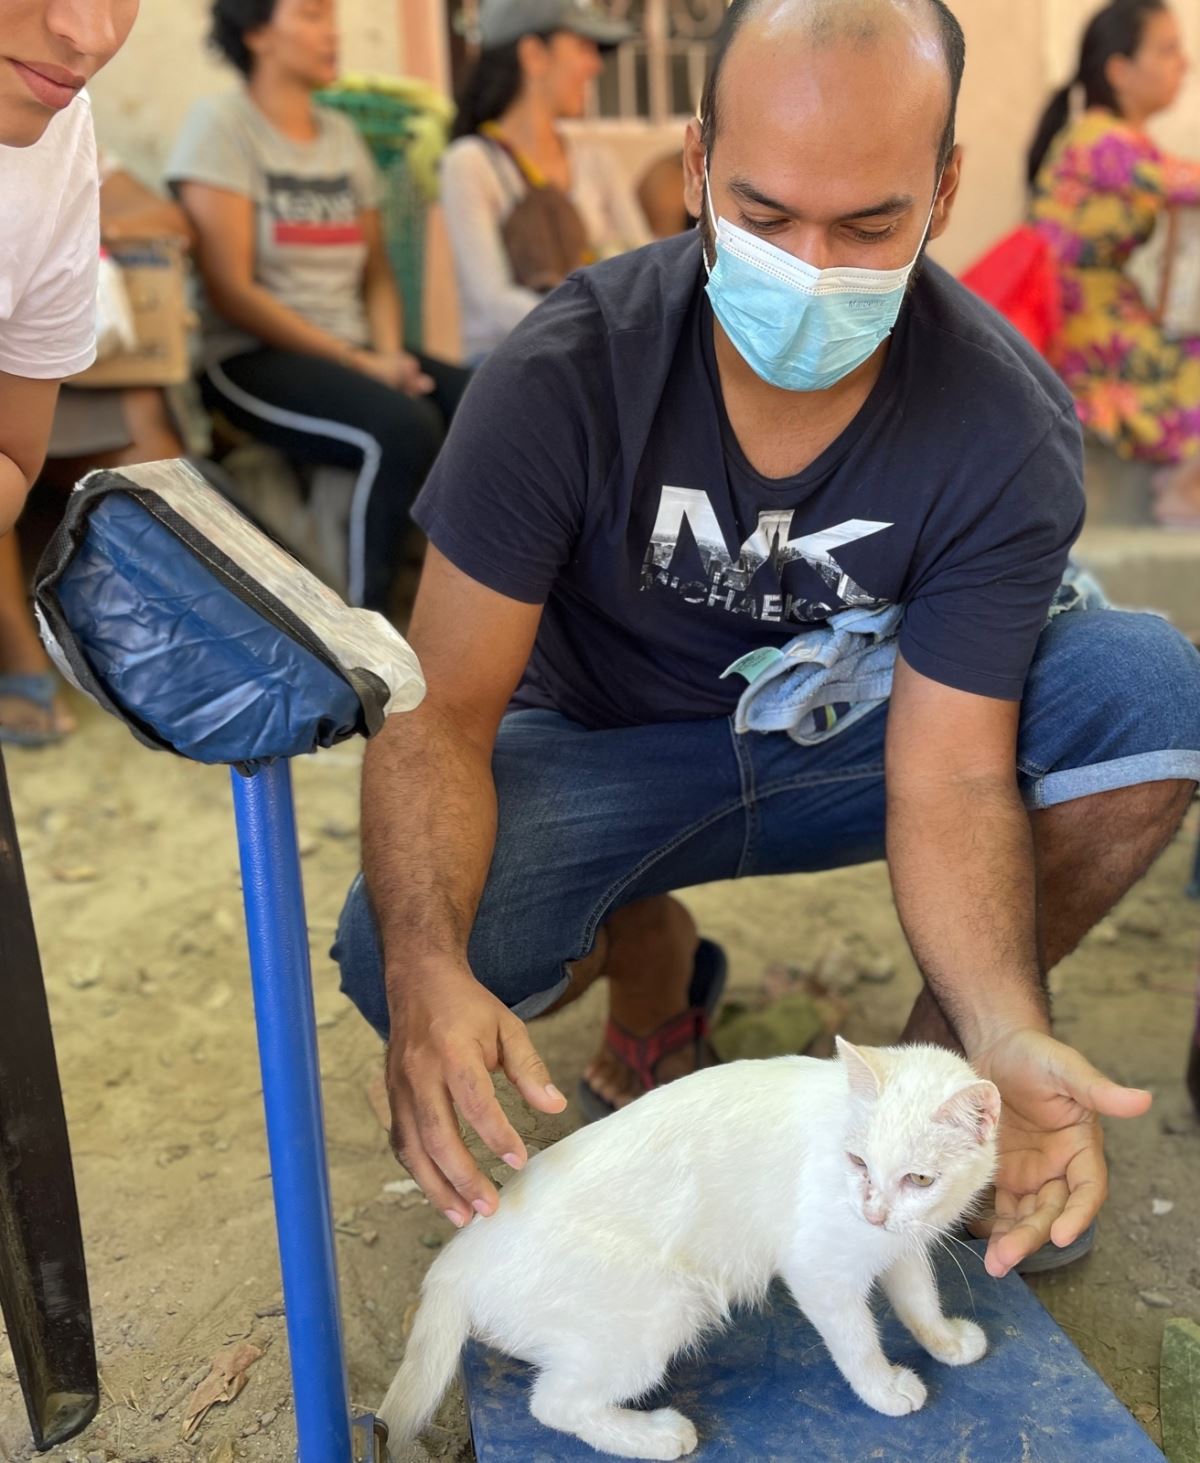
660, 73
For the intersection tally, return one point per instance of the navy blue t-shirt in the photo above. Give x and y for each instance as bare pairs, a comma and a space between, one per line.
592, 469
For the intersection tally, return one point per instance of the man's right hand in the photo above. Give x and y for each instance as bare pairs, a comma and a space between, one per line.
449, 1034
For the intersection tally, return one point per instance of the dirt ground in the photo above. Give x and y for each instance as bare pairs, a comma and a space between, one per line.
133, 870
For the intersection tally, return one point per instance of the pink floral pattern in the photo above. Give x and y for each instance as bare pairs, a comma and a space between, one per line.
1097, 199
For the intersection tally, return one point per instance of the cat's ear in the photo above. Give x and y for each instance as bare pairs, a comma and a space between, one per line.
976, 1108
864, 1076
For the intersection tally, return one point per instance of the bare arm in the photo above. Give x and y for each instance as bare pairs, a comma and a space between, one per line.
960, 848
26, 416
385, 315
129, 210
429, 802
429, 829
384, 310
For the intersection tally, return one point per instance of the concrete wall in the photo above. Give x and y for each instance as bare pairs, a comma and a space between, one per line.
1003, 91
141, 98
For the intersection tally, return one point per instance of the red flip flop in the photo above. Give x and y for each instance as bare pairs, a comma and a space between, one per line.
643, 1054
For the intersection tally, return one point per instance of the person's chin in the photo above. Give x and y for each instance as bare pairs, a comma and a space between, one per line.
23, 121
318, 77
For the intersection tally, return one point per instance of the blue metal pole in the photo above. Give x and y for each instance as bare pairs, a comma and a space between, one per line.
287, 1048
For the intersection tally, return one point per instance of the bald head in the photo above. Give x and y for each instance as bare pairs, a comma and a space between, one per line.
912, 31
827, 21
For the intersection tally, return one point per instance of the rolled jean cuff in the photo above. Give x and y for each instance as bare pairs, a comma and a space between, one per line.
541, 1001
1174, 765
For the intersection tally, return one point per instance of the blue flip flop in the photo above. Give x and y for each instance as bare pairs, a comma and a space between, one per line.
1050, 1256
643, 1054
39, 690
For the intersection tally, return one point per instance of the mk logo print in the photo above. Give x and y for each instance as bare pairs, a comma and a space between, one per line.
727, 580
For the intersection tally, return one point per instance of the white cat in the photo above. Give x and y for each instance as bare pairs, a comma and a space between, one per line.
623, 1244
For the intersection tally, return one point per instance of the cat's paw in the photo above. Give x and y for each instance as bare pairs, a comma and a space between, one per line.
958, 1343
669, 1434
897, 1393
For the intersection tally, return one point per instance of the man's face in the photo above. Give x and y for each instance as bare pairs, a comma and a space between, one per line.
50, 49
829, 152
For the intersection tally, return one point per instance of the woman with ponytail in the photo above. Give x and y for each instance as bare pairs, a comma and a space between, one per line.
1099, 186
524, 203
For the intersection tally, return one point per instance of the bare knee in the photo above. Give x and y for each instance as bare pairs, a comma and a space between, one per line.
650, 927
1144, 816
582, 974
655, 928
643, 936
1165, 803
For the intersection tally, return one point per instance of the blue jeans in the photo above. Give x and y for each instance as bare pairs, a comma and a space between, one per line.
593, 820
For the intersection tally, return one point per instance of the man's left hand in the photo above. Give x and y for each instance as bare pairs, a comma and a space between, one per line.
1051, 1181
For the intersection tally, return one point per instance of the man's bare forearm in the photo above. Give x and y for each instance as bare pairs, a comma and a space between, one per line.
962, 867
429, 829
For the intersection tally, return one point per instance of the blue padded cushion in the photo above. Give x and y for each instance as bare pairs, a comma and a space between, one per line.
177, 649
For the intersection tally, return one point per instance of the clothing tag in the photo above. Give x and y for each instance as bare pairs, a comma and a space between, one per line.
755, 664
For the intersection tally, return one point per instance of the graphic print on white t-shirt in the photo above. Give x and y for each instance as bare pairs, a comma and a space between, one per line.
317, 212
735, 584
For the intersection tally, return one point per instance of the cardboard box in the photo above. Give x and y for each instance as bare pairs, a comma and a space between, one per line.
153, 270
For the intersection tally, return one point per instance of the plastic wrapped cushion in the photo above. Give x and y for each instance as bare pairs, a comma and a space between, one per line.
186, 656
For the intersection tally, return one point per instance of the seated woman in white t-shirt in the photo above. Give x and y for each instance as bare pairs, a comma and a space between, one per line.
538, 59
49, 253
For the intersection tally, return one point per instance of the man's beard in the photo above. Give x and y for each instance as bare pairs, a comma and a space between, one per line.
708, 240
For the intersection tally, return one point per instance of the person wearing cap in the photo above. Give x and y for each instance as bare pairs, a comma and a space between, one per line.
685, 460
537, 59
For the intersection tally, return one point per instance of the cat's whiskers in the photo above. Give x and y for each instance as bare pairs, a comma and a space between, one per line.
940, 1236
953, 1238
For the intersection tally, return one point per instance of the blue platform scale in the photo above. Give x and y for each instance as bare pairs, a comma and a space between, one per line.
766, 1391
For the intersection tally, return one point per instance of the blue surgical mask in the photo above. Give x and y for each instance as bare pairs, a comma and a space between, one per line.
798, 327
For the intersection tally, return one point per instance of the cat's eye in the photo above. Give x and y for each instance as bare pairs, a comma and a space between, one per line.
856, 1160
921, 1180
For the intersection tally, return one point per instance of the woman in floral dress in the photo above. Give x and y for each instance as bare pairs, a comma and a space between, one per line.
1100, 186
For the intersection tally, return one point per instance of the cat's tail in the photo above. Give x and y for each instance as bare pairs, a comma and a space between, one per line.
439, 1330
